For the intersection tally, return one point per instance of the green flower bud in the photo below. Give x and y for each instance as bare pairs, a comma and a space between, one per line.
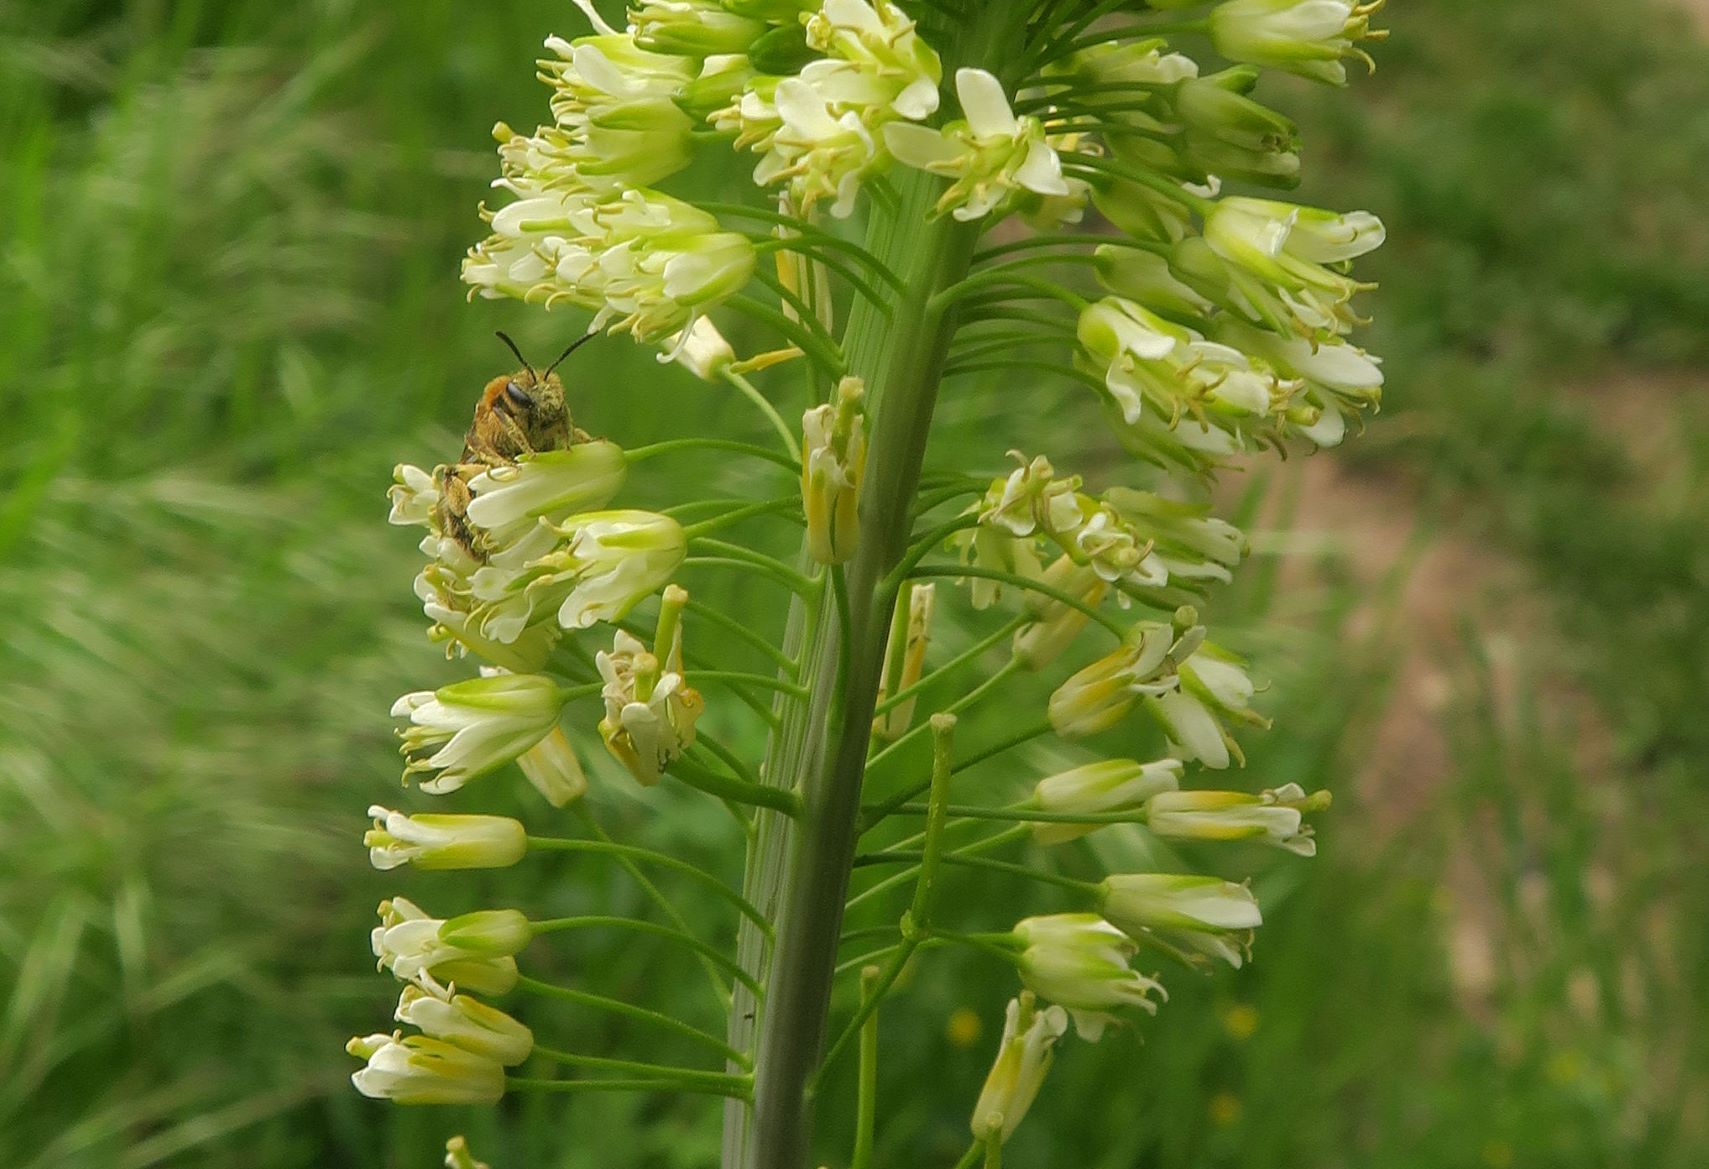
1110, 785
430, 841
1206, 915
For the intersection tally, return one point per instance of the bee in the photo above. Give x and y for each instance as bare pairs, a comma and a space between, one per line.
518, 414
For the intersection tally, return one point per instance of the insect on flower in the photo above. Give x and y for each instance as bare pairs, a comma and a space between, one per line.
518, 414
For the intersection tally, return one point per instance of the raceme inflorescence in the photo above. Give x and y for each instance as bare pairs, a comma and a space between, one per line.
944, 194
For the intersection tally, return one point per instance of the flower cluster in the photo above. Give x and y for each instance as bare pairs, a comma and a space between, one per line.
518, 559
887, 139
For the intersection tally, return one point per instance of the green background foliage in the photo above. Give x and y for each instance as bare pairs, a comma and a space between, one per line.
228, 243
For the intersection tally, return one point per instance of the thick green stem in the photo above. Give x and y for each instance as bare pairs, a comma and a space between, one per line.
900, 359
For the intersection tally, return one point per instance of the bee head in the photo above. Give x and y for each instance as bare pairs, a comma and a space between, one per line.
535, 399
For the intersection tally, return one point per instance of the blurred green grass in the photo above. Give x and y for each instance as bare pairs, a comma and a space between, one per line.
228, 242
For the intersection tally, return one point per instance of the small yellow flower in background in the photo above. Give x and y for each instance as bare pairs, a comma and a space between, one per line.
1240, 1021
964, 1027
1224, 1109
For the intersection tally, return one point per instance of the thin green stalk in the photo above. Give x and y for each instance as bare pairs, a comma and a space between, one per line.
728, 787
663, 860
1026, 815
631, 1011
996, 840
735, 1089
738, 514
742, 632
796, 581
1003, 674
898, 856
866, 1090
875, 814
641, 454
664, 1072
1027, 584
807, 338
604, 921
720, 988
752, 393
763, 681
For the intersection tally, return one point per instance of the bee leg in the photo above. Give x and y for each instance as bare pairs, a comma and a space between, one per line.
453, 512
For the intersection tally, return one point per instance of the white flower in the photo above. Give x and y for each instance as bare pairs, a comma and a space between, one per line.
1278, 251
1115, 551
1203, 914
994, 157
1214, 687
833, 462
476, 951
1101, 695
1191, 543
469, 728
643, 262
1031, 499
466, 1023
549, 484
1275, 817
552, 767
1110, 785
1204, 391
414, 496
617, 125
1023, 1058
1340, 379
1081, 961
1308, 37
421, 1070
991, 547
1145, 277
650, 711
692, 28
881, 56
818, 131
603, 564
430, 841
700, 349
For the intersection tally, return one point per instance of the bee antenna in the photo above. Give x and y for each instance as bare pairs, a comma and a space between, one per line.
574, 345
511, 345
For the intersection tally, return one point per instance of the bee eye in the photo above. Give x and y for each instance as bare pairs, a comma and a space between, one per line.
517, 395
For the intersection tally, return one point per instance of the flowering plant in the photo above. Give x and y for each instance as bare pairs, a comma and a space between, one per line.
932, 195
